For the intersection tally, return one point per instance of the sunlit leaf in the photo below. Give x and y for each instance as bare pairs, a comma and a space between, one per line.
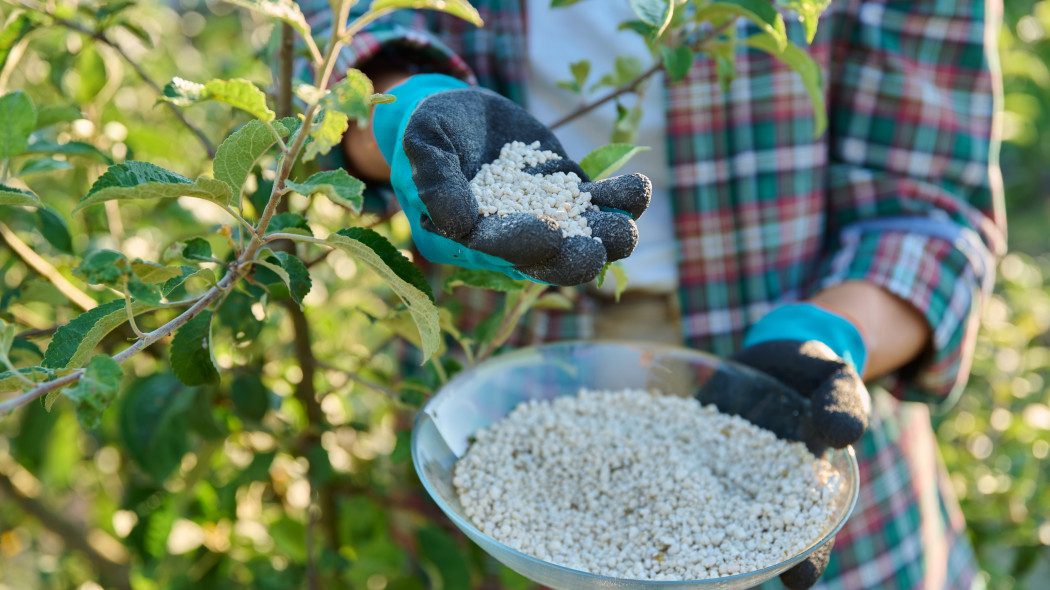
97, 387
13, 32
656, 13
761, 12
607, 159
142, 180
459, 8
337, 185
807, 69
10, 195
326, 134
19, 119
285, 10
239, 93
352, 96
401, 275
238, 153
809, 12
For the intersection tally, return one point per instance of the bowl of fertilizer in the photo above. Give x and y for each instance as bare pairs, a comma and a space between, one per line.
596, 465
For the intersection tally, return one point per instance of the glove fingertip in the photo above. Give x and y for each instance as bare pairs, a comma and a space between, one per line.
840, 408
628, 192
805, 574
579, 260
519, 239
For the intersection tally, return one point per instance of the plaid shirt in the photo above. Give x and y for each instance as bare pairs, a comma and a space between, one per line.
902, 191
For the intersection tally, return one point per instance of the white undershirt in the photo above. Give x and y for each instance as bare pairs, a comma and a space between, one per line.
558, 37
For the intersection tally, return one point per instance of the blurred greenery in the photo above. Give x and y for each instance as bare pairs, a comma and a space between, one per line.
199, 489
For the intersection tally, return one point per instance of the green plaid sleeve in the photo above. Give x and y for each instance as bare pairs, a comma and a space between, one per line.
914, 188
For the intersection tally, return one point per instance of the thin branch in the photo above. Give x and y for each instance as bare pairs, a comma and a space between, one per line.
357, 379
285, 59
147, 339
633, 85
111, 573
44, 268
525, 298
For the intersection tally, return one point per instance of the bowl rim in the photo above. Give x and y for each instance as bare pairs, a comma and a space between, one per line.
468, 527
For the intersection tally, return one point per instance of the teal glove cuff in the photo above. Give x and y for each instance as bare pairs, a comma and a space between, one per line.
390, 120
805, 321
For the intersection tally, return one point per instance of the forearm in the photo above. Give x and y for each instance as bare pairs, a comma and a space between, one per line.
894, 332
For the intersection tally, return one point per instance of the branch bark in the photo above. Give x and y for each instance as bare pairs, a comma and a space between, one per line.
111, 573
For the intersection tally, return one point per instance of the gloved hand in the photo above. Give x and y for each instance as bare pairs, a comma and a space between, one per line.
437, 135
820, 356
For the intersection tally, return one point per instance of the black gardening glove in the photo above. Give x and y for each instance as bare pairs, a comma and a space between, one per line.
438, 134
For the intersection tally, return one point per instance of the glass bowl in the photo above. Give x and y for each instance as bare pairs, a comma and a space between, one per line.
484, 394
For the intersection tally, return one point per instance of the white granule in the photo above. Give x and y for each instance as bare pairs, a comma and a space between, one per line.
503, 187
633, 484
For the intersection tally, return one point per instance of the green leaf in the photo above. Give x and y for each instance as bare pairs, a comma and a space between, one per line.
809, 12
337, 185
381, 99
189, 273
560, 3
352, 97
197, 249
760, 12
647, 31
607, 159
54, 229
458, 8
51, 114
401, 275
299, 282
625, 69
10, 195
94, 391
103, 267
446, 557
74, 342
191, 355
289, 223
10, 382
482, 279
677, 61
580, 71
807, 69
153, 423
142, 180
236, 315
69, 149
239, 93
326, 135
13, 32
236, 156
251, 399
285, 10
152, 273
654, 12
19, 119
42, 166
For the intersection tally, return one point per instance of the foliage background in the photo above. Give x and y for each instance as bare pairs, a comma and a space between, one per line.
196, 487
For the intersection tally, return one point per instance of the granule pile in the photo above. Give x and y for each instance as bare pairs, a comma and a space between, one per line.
633, 484
503, 187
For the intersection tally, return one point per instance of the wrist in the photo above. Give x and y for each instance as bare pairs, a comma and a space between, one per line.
808, 321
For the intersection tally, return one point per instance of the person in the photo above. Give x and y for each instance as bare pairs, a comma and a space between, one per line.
877, 239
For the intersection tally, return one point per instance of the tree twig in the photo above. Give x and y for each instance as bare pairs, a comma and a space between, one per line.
49, 272
633, 85
111, 573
